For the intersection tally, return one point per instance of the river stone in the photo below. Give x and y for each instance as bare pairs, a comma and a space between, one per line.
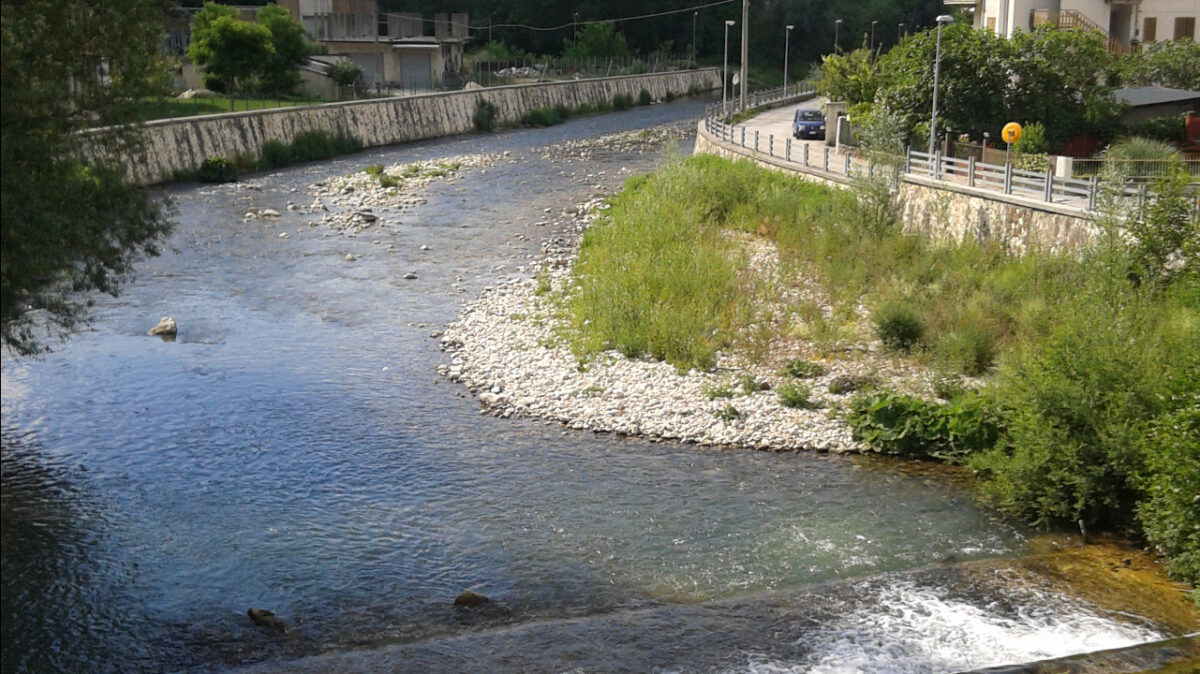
264, 618
166, 326
469, 599
270, 213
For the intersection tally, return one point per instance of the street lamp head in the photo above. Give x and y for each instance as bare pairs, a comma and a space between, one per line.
874, 22
729, 22
944, 19
790, 26
838, 22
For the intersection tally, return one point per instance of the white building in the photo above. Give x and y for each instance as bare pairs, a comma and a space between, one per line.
1125, 23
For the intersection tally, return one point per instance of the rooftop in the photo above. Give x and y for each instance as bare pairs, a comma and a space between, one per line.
1139, 96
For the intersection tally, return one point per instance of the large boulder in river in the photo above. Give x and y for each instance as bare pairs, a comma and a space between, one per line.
264, 618
469, 599
166, 327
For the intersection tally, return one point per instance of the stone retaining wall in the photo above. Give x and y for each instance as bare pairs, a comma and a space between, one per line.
181, 144
946, 210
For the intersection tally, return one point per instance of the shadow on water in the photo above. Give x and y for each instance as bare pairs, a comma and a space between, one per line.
293, 450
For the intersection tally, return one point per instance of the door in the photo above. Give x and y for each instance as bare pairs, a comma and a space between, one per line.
414, 71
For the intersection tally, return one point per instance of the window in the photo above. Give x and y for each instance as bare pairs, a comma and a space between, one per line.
1150, 29
381, 25
1185, 26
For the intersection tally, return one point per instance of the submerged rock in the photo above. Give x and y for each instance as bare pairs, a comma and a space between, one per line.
166, 327
469, 599
264, 618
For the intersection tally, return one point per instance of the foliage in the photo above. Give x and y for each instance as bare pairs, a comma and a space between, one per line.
716, 392
1031, 148
1166, 242
275, 154
728, 413
898, 325
344, 72
1170, 479
644, 97
595, 40
541, 117
1166, 129
484, 117
803, 369
499, 51
1057, 78
72, 225
1165, 64
280, 72
217, 170
902, 425
622, 101
795, 396
851, 78
227, 48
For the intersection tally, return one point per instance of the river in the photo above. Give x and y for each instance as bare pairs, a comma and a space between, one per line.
294, 450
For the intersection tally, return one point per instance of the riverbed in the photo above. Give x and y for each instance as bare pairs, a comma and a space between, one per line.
294, 449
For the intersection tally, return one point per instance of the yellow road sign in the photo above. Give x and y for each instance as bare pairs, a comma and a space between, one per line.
1011, 132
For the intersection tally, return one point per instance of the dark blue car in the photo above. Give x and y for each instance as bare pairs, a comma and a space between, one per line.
809, 123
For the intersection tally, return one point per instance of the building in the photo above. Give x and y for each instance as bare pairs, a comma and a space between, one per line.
1124, 23
400, 50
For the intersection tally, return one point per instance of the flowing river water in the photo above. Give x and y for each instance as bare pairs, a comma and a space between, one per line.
295, 450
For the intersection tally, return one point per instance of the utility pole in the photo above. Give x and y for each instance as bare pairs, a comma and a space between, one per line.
694, 15
745, 51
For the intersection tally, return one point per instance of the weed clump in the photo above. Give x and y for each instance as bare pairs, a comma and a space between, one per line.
217, 170
898, 326
484, 116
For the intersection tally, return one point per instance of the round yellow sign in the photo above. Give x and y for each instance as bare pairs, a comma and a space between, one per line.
1011, 132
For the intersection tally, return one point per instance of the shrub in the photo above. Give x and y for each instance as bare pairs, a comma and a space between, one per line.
898, 326
728, 413
803, 369
749, 384
796, 396
344, 143
971, 348
562, 112
890, 423
311, 146
541, 117
715, 392
274, 155
484, 117
622, 102
669, 96
644, 97
1165, 129
217, 170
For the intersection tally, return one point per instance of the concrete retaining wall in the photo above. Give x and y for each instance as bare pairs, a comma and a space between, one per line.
181, 144
947, 211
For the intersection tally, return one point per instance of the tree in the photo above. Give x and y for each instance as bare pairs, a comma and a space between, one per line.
344, 73
1164, 64
71, 226
228, 48
596, 40
851, 78
280, 72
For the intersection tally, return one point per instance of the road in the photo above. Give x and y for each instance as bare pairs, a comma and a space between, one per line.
778, 121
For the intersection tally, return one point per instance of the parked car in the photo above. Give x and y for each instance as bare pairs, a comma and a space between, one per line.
809, 123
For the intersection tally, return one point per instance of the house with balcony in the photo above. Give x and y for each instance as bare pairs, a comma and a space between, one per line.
1125, 24
395, 50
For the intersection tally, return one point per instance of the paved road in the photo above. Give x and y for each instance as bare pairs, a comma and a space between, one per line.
778, 121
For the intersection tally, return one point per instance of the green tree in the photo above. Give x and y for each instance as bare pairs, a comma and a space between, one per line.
280, 71
597, 40
1165, 64
227, 48
851, 77
71, 226
344, 73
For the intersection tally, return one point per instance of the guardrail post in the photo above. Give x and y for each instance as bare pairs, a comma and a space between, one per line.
1095, 183
756, 140
771, 145
805, 153
1008, 177
847, 169
971, 171
1142, 201
825, 160
908, 159
787, 150
743, 136
937, 166
1048, 194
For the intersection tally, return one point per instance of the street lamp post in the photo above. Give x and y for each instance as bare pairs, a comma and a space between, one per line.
575, 28
873, 35
694, 15
937, 64
745, 55
787, 34
899, 33
836, 25
725, 69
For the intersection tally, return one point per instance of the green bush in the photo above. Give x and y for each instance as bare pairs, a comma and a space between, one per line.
622, 101
795, 396
562, 112
803, 369
1165, 129
901, 425
898, 326
484, 117
217, 170
541, 117
344, 143
274, 155
644, 97
971, 349
728, 413
715, 392
1170, 479
311, 146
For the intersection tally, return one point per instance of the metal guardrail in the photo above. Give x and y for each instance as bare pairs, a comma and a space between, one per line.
1083, 194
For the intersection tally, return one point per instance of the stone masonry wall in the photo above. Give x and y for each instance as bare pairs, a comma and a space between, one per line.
181, 144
